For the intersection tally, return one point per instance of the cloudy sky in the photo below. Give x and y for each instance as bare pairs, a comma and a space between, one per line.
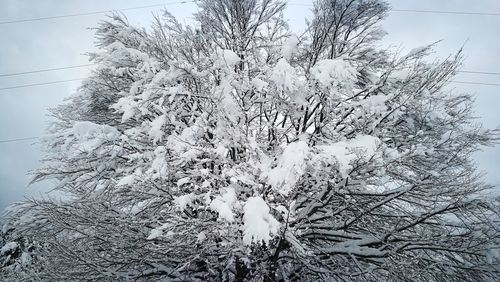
61, 42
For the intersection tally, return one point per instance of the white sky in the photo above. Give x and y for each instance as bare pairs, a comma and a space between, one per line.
64, 41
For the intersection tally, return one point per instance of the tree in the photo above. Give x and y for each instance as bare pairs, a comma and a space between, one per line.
18, 256
235, 150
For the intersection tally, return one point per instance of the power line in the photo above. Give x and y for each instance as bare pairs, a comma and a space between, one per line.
32, 138
42, 83
447, 12
88, 65
77, 79
481, 72
45, 70
18, 139
477, 83
421, 11
90, 13
300, 4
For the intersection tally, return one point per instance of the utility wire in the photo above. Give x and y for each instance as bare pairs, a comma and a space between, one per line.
447, 12
192, 1
90, 13
45, 70
18, 139
421, 11
42, 83
32, 138
477, 83
481, 72
88, 65
76, 79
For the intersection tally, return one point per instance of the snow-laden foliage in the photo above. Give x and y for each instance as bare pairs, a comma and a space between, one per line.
19, 256
236, 150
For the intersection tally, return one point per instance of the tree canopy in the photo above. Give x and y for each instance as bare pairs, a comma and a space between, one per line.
233, 149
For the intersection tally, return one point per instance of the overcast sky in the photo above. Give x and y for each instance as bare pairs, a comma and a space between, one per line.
63, 42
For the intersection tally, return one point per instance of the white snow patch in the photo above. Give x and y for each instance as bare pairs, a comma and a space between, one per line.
158, 232
127, 106
284, 76
5, 228
291, 166
201, 237
418, 51
258, 224
343, 151
156, 131
127, 180
184, 143
138, 207
183, 201
26, 259
226, 58
86, 129
334, 72
182, 181
375, 104
223, 205
155, 233
159, 166
8, 247
227, 101
259, 84
89, 136
206, 184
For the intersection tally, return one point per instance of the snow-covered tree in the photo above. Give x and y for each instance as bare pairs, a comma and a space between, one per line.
18, 256
235, 150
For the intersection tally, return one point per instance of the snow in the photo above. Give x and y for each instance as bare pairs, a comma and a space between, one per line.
492, 254
87, 137
223, 205
286, 80
445, 137
259, 84
290, 47
182, 181
183, 201
156, 131
206, 184
127, 180
375, 103
159, 165
226, 58
88, 131
356, 247
5, 227
344, 151
138, 207
418, 51
284, 76
8, 247
184, 142
158, 232
221, 150
127, 106
291, 166
26, 259
201, 237
258, 224
118, 52
334, 72
227, 102
155, 233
